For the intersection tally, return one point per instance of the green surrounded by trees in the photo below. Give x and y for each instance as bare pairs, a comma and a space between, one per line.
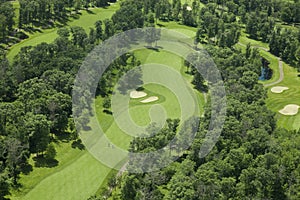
257, 156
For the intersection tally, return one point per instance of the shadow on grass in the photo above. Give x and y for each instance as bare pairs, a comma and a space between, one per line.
77, 144
26, 168
160, 25
90, 12
41, 161
63, 137
156, 48
107, 112
32, 30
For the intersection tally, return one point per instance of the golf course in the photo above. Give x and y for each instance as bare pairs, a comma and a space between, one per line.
44, 157
47, 182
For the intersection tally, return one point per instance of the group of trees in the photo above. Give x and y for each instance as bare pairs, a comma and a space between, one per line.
39, 13
6, 19
253, 159
35, 98
43, 11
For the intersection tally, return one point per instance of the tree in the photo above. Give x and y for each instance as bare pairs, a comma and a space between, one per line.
16, 154
79, 36
248, 50
134, 16
63, 33
50, 152
7, 10
99, 30
38, 130
59, 110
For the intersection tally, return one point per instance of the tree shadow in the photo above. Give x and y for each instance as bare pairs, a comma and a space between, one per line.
26, 168
77, 144
107, 112
160, 25
90, 12
140, 89
156, 48
32, 30
41, 161
64, 137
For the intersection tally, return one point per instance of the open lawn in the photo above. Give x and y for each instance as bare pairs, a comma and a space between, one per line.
86, 20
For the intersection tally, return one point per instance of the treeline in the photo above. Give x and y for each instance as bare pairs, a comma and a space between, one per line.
45, 11
40, 13
6, 19
35, 97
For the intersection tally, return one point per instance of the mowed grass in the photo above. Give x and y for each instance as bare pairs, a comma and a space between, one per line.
244, 39
77, 176
277, 102
139, 112
86, 20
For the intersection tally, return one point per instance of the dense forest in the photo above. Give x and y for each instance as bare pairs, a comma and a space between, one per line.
254, 159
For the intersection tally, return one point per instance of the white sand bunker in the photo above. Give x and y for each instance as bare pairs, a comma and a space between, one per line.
189, 8
278, 89
291, 109
137, 94
150, 99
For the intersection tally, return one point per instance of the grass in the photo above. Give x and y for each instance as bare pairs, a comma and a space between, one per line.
86, 20
139, 113
77, 171
244, 39
277, 102
78, 174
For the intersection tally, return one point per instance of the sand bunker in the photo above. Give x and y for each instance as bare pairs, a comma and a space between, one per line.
291, 109
189, 8
278, 89
137, 94
150, 99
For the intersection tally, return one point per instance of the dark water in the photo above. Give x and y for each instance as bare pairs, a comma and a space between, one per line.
266, 72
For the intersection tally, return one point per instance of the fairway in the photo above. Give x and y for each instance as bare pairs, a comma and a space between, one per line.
86, 20
277, 102
140, 113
